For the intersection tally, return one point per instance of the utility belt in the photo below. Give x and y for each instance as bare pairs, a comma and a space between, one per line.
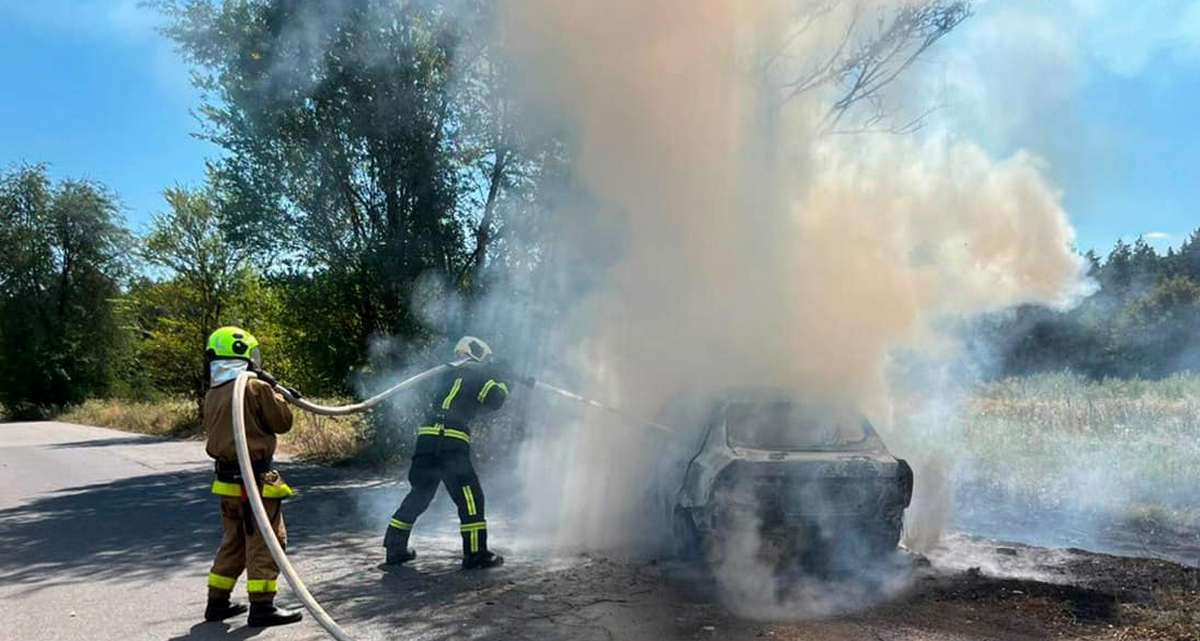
229, 480
232, 472
440, 430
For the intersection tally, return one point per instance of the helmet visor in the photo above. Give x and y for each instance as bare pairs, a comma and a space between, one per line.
256, 357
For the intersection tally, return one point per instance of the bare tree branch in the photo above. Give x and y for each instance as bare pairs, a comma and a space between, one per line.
865, 63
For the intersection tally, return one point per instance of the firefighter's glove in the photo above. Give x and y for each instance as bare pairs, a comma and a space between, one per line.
265, 376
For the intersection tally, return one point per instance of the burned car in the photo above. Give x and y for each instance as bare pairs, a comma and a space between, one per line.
804, 479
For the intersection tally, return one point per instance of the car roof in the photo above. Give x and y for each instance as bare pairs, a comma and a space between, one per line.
765, 394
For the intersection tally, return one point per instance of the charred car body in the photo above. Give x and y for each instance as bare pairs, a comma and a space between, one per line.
807, 479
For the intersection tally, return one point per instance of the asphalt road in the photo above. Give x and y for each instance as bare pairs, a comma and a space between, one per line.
106, 535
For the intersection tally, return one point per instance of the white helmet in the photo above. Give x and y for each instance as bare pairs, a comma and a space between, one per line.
473, 348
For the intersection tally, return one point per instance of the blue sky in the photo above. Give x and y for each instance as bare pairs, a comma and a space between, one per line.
1104, 93
92, 89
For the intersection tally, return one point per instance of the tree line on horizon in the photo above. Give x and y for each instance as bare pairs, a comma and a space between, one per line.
1140, 322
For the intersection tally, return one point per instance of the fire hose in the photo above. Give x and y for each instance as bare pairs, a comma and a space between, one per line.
343, 410
596, 404
252, 492
251, 482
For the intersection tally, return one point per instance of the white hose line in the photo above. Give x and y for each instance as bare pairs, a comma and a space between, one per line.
601, 406
260, 514
329, 410
251, 481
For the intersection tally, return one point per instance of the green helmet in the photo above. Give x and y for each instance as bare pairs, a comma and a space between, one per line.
234, 342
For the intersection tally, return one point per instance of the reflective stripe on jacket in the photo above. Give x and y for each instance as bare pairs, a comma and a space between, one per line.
460, 395
271, 489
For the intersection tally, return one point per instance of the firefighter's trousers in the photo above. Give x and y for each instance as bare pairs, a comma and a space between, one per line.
243, 548
452, 468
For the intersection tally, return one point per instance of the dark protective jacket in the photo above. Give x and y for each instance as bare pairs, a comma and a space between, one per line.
460, 394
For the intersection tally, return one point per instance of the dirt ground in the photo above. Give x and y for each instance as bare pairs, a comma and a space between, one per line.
968, 588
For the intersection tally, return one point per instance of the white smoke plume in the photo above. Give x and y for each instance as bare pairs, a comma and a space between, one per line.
760, 248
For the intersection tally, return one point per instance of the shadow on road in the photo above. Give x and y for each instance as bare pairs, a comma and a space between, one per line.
146, 527
143, 526
107, 442
218, 632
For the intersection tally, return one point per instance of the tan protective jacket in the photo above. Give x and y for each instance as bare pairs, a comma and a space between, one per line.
266, 414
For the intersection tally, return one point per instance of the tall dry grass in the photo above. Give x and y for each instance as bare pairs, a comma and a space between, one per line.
169, 418
326, 439
312, 438
1114, 445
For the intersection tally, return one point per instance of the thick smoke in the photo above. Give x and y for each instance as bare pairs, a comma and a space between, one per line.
723, 228
760, 247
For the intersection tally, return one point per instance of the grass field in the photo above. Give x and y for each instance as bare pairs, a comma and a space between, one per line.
1127, 447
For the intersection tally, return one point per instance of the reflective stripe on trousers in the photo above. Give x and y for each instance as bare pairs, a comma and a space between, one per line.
261, 585
471, 533
221, 582
438, 429
470, 497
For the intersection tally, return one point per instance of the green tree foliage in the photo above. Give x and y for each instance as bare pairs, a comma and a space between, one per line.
62, 256
208, 279
1160, 328
357, 133
1143, 319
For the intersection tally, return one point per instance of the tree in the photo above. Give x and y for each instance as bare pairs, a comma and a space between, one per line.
1144, 265
1187, 261
1159, 329
209, 283
357, 134
1140, 322
62, 256
1116, 277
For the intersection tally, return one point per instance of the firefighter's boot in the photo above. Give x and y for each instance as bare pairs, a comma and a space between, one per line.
396, 544
264, 614
220, 609
482, 560
476, 555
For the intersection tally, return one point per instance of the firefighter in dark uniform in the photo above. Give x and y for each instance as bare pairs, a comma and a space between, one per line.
230, 352
443, 455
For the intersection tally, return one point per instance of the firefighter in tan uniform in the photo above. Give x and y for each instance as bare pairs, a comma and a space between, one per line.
230, 351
